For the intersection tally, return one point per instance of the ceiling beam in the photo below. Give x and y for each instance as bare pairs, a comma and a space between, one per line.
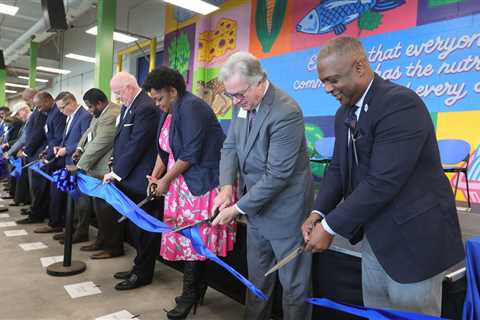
12, 29
26, 17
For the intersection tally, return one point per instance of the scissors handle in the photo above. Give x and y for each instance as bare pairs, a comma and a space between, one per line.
151, 190
215, 214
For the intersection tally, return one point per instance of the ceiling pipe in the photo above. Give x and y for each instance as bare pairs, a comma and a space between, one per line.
39, 30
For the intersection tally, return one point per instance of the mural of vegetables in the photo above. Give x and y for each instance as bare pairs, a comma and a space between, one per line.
269, 18
179, 53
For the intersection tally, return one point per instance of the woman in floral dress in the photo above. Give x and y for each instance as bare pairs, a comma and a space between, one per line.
186, 172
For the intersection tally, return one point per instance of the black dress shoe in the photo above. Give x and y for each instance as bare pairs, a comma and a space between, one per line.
131, 283
17, 204
30, 220
25, 213
122, 275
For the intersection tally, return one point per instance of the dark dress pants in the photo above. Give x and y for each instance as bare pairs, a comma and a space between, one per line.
110, 233
22, 188
39, 194
58, 201
82, 215
147, 244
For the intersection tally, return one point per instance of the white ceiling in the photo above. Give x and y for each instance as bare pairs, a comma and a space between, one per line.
11, 27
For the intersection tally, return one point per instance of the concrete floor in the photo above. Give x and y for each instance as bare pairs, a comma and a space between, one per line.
28, 292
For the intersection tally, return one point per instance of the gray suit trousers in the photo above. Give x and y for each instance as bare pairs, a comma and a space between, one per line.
381, 291
295, 277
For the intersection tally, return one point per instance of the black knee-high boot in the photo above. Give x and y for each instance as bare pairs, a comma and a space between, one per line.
192, 290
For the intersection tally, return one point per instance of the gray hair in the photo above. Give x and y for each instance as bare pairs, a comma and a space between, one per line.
245, 65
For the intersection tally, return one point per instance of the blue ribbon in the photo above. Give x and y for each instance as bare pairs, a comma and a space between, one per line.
194, 235
36, 167
370, 313
111, 194
17, 167
471, 306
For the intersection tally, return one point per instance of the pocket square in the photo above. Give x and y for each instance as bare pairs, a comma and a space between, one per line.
128, 124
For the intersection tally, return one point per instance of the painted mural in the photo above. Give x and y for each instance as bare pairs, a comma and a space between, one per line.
431, 46
180, 51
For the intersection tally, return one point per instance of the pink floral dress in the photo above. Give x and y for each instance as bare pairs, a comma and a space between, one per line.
183, 208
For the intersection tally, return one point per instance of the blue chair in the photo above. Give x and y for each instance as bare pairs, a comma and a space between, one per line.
454, 155
324, 148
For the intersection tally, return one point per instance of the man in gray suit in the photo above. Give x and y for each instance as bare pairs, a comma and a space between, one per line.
266, 147
93, 154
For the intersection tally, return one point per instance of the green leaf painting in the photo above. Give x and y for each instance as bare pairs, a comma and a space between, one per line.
269, 19
179, 53
439, 3
369, 20
313, 133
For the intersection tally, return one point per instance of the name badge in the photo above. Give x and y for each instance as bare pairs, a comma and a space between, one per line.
242, 114
89, 137
128, 124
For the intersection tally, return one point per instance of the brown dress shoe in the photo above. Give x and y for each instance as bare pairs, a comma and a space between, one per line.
48, 229
59, 236
91, 247
76, 239
104, 255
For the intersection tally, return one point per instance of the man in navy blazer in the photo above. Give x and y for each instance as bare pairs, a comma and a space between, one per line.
386, 166
35, 141
55, 124
77, 121
134, 155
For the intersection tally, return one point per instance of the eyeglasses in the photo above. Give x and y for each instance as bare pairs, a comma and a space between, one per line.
239, 95
65, 104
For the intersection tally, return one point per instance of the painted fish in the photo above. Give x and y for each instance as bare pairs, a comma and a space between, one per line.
333, 15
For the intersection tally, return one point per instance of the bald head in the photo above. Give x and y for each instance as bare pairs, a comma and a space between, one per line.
125, 87
43, 100
28, 94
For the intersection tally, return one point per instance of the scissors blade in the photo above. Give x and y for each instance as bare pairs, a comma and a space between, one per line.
292, 255
209, 220
30, 163
178, 229
140, 204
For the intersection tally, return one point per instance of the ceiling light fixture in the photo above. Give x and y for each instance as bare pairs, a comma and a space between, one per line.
37, 79
53, 70
117, 36
6, 9
80, 57
197, 6
15, 85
